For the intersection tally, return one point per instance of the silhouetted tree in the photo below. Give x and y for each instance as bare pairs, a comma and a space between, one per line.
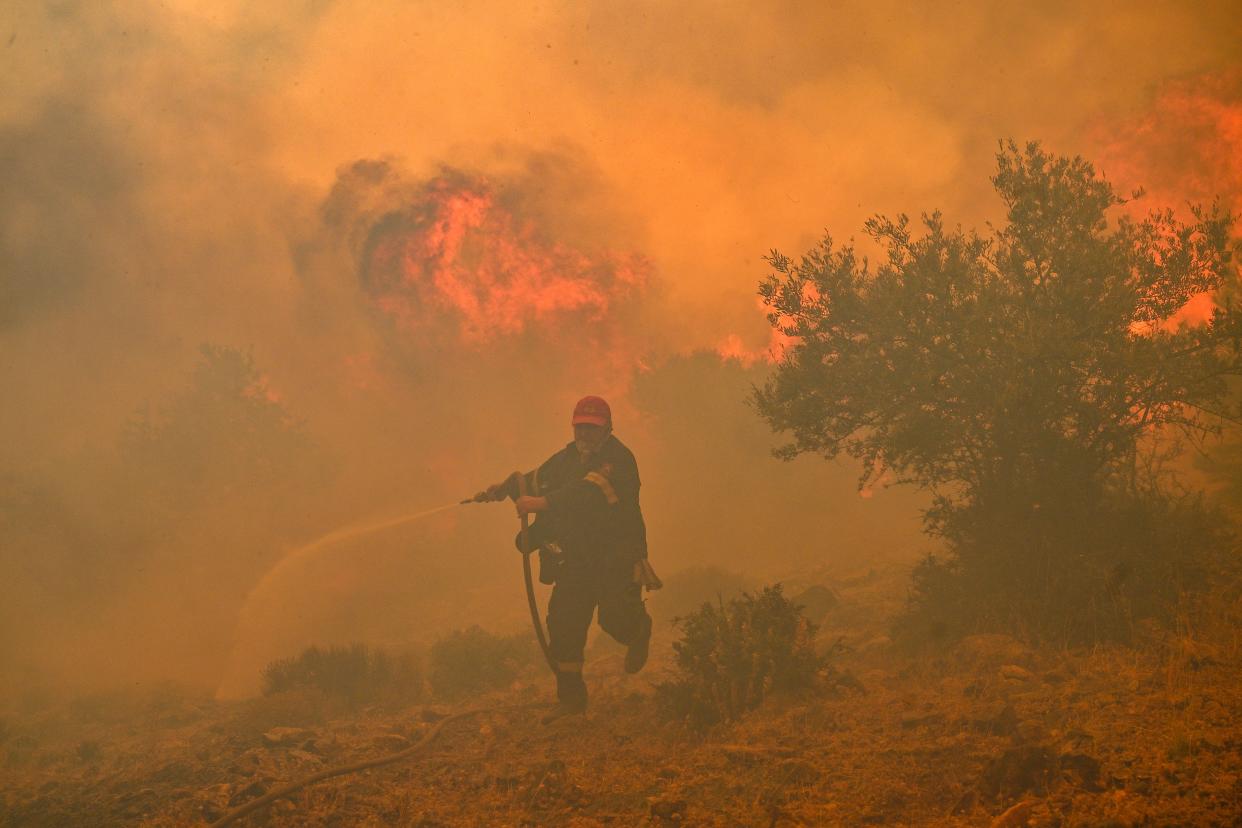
1021, 377
224, 437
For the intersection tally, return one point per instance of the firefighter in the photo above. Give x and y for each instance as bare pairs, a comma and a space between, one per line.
592, 546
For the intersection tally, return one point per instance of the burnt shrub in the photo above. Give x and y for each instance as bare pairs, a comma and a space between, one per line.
351, 675
734, 655
474, 660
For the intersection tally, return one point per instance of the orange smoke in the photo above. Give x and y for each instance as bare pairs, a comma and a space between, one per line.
464, 254
1186, 148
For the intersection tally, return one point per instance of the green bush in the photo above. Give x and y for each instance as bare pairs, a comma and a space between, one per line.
734, 655
474, 660
354, 675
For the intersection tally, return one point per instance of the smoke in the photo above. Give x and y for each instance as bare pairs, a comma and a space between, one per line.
431, 228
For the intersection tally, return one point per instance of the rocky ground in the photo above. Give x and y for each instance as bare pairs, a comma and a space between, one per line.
987, 732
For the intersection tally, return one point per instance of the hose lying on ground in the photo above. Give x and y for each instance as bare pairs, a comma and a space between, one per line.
293, 787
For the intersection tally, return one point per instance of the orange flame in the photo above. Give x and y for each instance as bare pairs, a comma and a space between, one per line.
1187, 147
462, 253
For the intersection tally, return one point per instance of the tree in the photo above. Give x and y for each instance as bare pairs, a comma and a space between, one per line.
1023, 377
226, 438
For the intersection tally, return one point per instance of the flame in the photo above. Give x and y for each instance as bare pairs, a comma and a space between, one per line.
463, 253
732, 347
1186, 146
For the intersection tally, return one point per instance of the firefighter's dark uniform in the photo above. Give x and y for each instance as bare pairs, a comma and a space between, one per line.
591, 538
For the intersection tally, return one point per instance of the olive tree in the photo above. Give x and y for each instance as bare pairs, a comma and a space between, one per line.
1022, 376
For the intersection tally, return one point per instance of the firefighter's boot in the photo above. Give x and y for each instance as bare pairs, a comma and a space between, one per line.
571, 695
636, 655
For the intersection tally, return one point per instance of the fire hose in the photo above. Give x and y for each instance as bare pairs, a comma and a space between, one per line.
530, 584
341, 770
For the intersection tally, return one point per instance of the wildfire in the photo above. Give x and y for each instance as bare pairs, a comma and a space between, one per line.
463, 252
732, 347
1186, 148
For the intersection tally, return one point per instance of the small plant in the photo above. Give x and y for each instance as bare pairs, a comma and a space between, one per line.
732, 656
475, 660
354, 675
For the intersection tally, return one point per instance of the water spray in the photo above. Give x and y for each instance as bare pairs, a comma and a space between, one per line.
413, 750
257, 596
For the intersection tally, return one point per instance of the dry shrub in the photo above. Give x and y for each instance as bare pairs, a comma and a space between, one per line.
474, 660
351, 676
734, 655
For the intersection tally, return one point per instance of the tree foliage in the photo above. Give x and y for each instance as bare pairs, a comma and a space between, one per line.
1018, 375
225, 435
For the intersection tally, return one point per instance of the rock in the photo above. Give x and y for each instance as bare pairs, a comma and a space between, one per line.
1015, 673
285, 736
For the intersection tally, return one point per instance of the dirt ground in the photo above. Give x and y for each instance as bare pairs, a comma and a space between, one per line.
985, 732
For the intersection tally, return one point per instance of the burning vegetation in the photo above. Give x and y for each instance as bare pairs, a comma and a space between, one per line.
463, 249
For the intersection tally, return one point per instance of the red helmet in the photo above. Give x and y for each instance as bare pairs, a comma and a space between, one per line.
592, 410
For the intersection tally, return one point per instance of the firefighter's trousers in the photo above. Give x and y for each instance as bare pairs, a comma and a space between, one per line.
577, 593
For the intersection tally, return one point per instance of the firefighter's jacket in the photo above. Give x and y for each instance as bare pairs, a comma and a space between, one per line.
593, 518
